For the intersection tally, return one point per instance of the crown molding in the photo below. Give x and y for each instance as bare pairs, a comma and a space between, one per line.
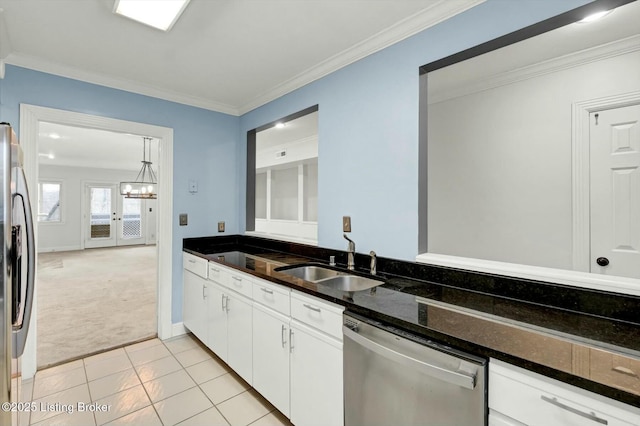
436, 13
50, 67
605, 51
412, 25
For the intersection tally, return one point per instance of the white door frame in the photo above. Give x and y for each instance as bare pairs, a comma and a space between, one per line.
30, 117
582, 171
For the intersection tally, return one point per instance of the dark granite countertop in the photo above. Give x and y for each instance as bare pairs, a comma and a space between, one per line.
575, 335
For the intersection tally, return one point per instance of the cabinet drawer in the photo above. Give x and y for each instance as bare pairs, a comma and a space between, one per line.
618, 371
195, 264
237, 281
537, 400
215, 272
273, 296
317, 313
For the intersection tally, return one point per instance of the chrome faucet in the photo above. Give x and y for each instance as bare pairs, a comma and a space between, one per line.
374, 262
352, 250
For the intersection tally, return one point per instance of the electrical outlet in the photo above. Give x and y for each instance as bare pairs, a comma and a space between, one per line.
220, 226
346, 223
183, 219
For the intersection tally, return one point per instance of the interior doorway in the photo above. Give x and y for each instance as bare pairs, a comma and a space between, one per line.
96, 297
30, 117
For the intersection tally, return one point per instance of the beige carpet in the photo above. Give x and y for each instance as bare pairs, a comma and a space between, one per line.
93, 300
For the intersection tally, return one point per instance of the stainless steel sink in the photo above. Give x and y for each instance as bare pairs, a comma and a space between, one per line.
311, 273
351, 283
331, 278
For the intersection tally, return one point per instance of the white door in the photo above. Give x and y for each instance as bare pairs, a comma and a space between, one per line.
239, 336
217, 320
615, 191
271, 357
111, 219
195, 305
316, 378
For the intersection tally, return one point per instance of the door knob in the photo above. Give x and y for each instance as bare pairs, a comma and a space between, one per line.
602, 261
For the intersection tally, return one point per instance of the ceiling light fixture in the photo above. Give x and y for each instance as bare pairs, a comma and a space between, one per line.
160, 14
280, 125
595, 16
146, 182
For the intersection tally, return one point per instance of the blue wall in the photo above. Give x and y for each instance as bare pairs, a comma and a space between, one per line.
205, 148
368, 132
368, 127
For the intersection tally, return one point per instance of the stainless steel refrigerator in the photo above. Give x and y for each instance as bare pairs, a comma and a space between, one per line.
18, 270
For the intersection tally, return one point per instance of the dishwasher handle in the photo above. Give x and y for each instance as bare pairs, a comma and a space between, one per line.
454, 377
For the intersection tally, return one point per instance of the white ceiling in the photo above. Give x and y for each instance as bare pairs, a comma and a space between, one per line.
294, 130
225, 55
621, 25
93, 148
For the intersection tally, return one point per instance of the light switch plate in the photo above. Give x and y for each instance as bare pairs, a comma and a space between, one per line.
183, 219
220, 226
346, 223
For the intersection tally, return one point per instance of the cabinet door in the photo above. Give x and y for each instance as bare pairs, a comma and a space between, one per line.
316, 378
271, 357
239, 329
194, 305
217, 320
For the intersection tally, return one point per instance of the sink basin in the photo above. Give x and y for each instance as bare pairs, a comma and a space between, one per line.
334, 279
351, 282
311, 273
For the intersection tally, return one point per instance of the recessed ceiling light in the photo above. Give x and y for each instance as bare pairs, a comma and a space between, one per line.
160, 14
280, 125
595, 16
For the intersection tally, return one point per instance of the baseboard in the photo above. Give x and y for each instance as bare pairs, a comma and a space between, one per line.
62, 248
178, 329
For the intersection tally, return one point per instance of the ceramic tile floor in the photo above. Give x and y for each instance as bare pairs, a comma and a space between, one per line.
177, 381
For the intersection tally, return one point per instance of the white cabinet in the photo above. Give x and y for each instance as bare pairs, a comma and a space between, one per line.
271, 356
518, 396
316, 361
230, 328
239, 336
217, 320
316, 377
287, 345
194, 295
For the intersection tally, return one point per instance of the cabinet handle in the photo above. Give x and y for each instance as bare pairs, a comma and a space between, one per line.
266, 290
290, 340
227, 304
223, 304
590, 416
284, 339
190, 260
624, 370
214, 270
204, 291
313, 308
237, 278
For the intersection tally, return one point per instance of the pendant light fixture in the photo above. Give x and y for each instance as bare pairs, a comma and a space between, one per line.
146, 183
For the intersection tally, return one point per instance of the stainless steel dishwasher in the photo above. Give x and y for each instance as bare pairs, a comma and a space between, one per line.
395, 378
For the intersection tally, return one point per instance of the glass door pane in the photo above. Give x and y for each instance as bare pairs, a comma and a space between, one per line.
131, 218
100, 212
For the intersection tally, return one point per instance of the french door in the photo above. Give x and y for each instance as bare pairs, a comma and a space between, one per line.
111, 219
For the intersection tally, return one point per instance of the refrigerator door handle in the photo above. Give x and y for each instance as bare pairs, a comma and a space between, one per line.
21, 330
